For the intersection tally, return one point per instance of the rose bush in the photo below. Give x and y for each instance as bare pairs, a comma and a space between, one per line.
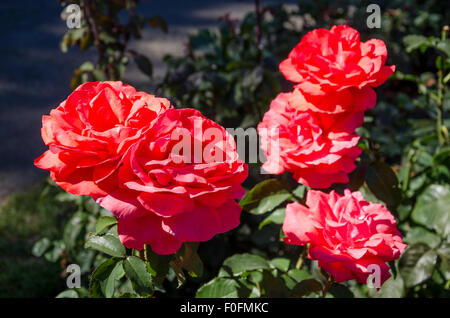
319, 149
170, 194
91, 130
334, 71
345, 233
164, 196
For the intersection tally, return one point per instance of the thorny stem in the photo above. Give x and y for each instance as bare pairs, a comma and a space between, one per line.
87, 8
299, 263
143, 254
146, 252
327, 286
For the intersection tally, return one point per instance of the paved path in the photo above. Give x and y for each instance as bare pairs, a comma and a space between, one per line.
35, 75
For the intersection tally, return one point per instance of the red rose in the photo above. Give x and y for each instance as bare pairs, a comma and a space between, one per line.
334, 71
171, 194
90, 131
319, 149
350, 237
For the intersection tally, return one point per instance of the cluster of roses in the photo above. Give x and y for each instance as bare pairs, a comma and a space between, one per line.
117, 145
311, 133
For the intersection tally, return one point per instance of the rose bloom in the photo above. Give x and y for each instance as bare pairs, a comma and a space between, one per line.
90, 131
346, 234
335, 71
178, 184
319, 149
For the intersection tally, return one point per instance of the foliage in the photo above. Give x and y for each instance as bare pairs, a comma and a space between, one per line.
405, 166
231, 75
23, 219
104, 27
24, 276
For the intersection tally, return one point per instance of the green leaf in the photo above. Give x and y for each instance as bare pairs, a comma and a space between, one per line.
273, 286
104, 222
294, 276
65, 41
418, 234
299, 274
107, 37
255, 277
281, 263
85, 258
178, 270
95, 289
187, 258
205, 39
113, 230
108, 244
40, 247
393, 267
86, 67
444, 256
340, 291
98, 75
144, 64
76, 34
417, 264
100, 273
444, 46
270, 202
76, 79
157, 265
91, 206
69, 293
136, 272
442, 157
276, 217
306, 287
424, 158
108, 285
54, 254
102, 281
299, 192
221, 287
74, 228
392, 288
260, 191
252, 79
241, 263
446, 80
68, 197
432, 209
383, 183
414, 41
103, 270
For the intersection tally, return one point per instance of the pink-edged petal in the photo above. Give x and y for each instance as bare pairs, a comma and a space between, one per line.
298, 225
123, 204
134, 233
289, 71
